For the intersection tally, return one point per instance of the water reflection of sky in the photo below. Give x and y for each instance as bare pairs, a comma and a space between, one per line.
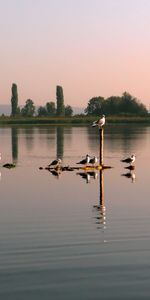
74, 224
37, 146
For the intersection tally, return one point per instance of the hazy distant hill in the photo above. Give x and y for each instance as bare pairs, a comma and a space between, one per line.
6, 110
78, 110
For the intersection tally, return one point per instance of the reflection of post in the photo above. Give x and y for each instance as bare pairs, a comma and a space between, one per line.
101, 199
101, 145
101, 208
14, 142
101, 185
60, 142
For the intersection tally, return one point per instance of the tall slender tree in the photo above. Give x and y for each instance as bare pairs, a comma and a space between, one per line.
14, 100
60, 101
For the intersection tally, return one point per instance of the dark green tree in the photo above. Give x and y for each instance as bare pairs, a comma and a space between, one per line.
14, 100
95, 106
29, 109
68, 111
112, 105
42, 112
60, 101
51, 109
130, 105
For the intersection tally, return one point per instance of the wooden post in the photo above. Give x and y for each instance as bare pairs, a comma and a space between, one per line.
101, 145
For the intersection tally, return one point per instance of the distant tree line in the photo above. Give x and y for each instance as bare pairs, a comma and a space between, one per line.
49, 110
114, 105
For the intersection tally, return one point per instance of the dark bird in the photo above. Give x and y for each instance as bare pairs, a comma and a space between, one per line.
129, 160
99, 122
84, 161
93, 160
55, 163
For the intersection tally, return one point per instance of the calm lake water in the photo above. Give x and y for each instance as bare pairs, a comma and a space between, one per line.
74, 236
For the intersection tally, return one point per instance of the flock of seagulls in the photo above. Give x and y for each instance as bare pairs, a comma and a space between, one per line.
55, 166
93, 160
87, 160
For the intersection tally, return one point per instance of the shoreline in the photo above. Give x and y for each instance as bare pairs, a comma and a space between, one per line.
72, 120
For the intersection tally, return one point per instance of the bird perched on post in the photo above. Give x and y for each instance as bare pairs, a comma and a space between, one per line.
84, 161
99, 122
93, 160
55, 163
129, 160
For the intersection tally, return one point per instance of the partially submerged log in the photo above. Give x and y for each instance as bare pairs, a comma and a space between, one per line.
9, 166
68, 168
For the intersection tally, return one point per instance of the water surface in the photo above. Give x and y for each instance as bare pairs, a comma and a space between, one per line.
74, 236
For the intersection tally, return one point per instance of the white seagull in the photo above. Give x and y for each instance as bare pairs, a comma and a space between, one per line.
84, 161
129, 160
99, 122
55, 163
93, 160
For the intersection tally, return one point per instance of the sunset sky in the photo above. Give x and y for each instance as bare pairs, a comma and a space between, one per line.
89, 47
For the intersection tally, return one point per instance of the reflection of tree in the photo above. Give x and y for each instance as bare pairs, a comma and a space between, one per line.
47, 135
125, 136
122, 136
60, 142
14, 142
29, 136
50, 136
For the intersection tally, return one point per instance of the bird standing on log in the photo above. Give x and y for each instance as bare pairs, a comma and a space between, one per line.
55, 163
84, 161
100, 122
93, 160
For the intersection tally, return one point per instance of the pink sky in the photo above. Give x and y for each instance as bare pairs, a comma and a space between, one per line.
90, 47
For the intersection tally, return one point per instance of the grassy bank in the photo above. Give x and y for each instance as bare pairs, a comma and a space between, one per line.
72, 120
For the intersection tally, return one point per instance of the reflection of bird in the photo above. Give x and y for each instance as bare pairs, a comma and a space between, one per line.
99, 122
129, 160
130, 175
55, 163
84, 161
130, 167
93, 174
93, 160
55, 173
85, 176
